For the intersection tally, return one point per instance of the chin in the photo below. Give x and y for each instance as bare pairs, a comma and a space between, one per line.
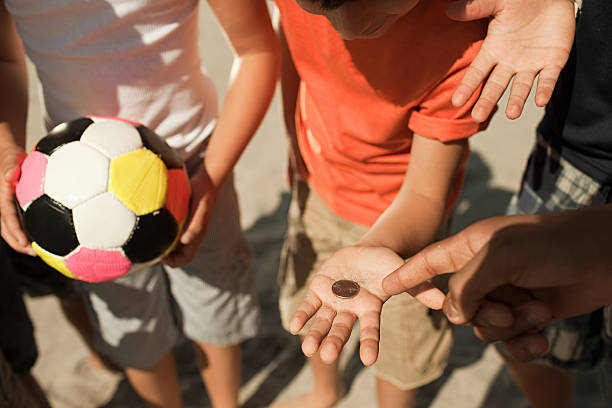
375, 34
371, 36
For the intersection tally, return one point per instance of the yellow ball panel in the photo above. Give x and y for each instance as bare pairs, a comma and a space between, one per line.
140, 180
52, 260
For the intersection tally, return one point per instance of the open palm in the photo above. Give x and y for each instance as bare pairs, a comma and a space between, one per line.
334, 316
525, 39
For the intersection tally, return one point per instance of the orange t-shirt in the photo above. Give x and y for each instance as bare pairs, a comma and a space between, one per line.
360, 101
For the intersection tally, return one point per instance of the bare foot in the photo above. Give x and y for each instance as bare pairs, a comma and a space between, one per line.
315, 398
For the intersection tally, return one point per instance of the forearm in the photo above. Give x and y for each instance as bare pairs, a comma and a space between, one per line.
577, 259
14, 85
290, 83
13, 104
246, 103
251, 35
414, 218
408, 225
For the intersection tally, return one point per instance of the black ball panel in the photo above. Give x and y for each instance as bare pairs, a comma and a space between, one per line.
68, 132
20, 215
49, 223
152, 236
157, 145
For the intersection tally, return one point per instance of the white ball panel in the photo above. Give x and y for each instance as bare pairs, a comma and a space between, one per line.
103, 222
75, 173
112, 137
59, 127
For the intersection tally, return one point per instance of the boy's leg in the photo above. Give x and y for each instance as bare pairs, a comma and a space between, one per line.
328, 387
543, 386
221, 370
216, 299
157, 385
576, 344
389, 395
134, 326
415, 343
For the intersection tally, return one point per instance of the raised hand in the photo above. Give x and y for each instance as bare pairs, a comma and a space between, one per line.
525, 39
334, 316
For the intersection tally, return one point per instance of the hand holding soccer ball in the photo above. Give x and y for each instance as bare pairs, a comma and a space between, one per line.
101, 197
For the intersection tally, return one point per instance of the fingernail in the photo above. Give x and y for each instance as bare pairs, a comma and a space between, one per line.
453, 313
458, 100
513, 111
478, 115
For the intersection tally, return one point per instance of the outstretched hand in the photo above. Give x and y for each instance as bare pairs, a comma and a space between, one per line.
525, 39
334, 316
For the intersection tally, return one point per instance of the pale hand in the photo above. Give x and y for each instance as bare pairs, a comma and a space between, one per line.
10, 226
336, 316
525, 38
203, 199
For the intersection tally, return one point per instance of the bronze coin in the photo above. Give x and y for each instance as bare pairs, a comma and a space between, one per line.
345, 289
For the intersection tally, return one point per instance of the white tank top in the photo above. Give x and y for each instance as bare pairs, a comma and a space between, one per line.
136, 59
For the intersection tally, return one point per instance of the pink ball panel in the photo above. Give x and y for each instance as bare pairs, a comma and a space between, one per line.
32, 179
97, 265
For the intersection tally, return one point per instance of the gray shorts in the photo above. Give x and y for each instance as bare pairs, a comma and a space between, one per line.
551, 183
139, 316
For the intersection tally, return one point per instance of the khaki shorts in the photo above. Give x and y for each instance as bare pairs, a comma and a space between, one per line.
415, 341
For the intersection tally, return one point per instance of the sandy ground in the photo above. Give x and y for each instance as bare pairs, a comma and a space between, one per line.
274, 367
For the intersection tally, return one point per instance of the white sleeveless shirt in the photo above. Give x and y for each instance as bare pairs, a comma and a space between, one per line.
136, 59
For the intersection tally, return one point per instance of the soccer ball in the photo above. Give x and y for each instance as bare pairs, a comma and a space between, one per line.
101, 197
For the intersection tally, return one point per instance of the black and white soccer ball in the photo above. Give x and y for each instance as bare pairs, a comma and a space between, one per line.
101, 197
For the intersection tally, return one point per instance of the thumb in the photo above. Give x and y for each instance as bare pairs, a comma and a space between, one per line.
12, 175
470, 286
467, 10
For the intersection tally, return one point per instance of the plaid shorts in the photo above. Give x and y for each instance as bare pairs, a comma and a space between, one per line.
551, 183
